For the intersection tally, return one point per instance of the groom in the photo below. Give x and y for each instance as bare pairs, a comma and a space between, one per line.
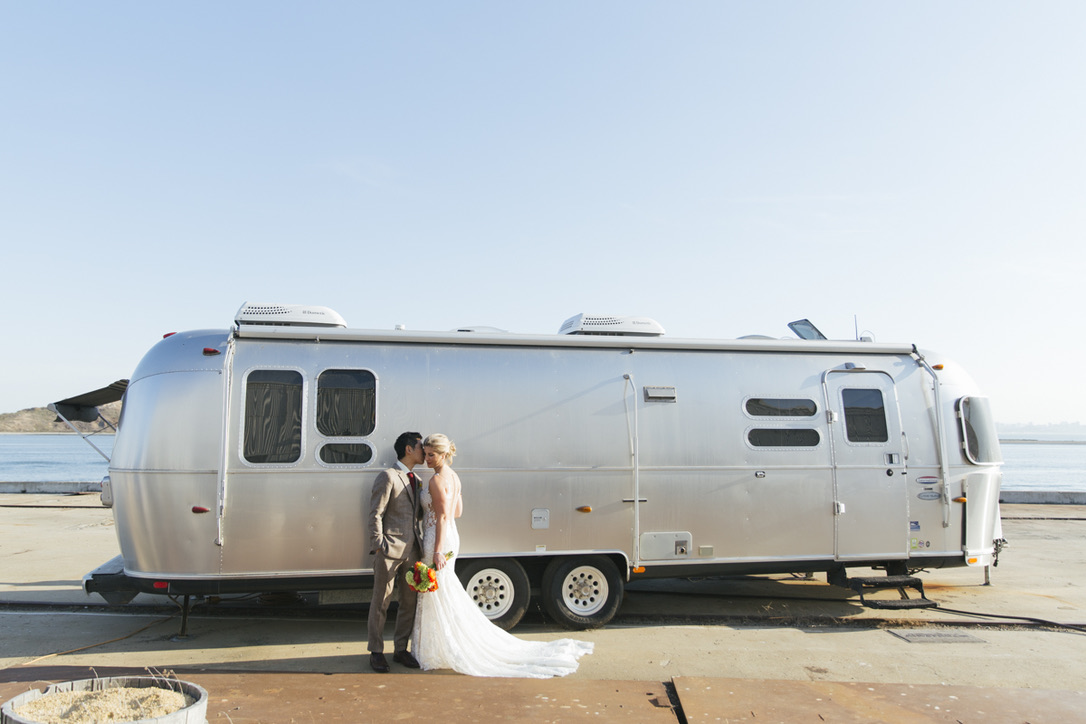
396, 539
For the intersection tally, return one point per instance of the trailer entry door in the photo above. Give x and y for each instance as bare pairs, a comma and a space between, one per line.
870, 492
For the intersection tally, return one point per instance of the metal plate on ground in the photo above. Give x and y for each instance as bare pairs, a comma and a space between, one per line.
936, 637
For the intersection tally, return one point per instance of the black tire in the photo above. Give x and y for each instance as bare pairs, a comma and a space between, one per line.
582, 592
499, 587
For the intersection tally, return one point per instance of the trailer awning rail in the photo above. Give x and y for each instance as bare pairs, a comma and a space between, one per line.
508, 339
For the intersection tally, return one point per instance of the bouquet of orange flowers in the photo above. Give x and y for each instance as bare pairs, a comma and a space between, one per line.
422, 577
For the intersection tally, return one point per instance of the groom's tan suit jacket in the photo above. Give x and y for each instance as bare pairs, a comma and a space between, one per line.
394, 522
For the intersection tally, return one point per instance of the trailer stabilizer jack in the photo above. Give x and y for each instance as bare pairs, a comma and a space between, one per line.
878, 583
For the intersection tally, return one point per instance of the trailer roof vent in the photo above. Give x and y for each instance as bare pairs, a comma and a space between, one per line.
482, 329
618, 326
299, 315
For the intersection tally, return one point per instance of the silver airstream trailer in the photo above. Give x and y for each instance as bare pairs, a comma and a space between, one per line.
602, 454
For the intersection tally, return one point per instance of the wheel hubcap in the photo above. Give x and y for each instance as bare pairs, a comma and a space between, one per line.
585, 591
492, 592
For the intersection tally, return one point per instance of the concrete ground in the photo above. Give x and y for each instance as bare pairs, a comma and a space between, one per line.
775, 648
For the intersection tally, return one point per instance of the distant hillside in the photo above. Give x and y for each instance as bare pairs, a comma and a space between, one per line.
39, 419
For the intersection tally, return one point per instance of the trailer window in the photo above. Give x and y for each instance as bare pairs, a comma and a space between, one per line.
343, 453
865, 415
273, 416
780, 407
345, 403
783, 437
979, 436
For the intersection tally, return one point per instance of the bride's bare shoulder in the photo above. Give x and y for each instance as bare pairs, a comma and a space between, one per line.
446, 480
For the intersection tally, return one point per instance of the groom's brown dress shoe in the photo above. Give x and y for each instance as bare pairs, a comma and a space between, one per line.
405, 658
379, 663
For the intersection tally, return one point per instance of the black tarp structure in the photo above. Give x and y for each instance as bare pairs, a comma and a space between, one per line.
84, 408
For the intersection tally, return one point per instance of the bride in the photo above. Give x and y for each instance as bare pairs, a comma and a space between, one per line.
450, 630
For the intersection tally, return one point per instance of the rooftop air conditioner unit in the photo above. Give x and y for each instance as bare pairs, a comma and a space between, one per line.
297, 315
617, 326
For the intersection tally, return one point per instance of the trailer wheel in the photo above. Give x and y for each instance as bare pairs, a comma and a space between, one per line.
499, 587
582, 593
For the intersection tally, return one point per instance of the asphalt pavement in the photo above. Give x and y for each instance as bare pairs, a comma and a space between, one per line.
759, 648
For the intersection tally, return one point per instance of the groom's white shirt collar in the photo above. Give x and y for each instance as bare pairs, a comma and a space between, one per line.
402, 467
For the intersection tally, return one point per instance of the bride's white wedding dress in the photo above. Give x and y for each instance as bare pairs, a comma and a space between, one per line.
452, 633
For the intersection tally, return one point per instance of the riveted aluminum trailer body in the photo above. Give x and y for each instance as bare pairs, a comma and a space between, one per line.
245, 458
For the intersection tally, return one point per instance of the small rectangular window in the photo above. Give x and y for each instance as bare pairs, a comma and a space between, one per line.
273, 416
781, 407
783, 437
342, 453
981, 443
346, 403
865, 415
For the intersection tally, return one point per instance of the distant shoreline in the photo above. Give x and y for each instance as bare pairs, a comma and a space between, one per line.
1034, 441
96, 433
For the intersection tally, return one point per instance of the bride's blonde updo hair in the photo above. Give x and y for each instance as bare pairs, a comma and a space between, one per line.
440, 444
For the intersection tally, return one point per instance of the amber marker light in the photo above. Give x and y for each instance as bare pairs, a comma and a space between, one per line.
959, 500
585, 509
638, 569
937, 367
973, 560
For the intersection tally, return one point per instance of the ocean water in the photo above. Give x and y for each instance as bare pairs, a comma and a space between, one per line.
56, 458
1044, 465
1033, 465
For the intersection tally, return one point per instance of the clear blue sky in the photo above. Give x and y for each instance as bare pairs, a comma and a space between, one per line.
723, 167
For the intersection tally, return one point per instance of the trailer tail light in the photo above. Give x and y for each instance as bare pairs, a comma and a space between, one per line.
200, 509
168, 334
160, 585
211, 351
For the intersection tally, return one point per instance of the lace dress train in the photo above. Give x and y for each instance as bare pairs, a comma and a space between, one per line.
452, 633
